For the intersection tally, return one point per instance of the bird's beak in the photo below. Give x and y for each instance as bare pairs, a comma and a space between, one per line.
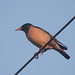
18, 29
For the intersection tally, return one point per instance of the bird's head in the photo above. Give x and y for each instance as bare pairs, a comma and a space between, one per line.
24, 27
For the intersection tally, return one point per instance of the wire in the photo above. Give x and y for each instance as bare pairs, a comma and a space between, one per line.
45, 45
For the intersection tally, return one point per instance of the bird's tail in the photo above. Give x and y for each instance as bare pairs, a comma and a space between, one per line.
62, 52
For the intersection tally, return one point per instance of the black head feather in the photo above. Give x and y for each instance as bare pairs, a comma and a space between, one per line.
26, 27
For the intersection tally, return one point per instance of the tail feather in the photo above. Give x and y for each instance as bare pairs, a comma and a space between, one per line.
62, 46
64, 54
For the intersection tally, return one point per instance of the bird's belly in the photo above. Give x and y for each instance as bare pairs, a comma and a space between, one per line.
38, 37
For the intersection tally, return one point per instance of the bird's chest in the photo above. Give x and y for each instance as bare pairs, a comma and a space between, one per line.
38, 37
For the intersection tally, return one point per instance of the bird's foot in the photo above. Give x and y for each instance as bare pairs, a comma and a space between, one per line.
36, 56
41, 51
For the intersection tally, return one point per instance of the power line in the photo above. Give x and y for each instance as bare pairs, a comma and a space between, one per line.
45, 45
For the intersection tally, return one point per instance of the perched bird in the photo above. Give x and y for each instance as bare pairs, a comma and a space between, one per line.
39, 37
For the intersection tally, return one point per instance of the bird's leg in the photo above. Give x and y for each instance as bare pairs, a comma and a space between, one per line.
45, 49
41, 51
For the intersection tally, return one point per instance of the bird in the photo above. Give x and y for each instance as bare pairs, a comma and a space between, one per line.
39, 37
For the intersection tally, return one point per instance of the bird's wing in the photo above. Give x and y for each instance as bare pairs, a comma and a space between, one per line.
62, 46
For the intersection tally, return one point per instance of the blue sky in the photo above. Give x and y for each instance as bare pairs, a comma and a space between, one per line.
16, 50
